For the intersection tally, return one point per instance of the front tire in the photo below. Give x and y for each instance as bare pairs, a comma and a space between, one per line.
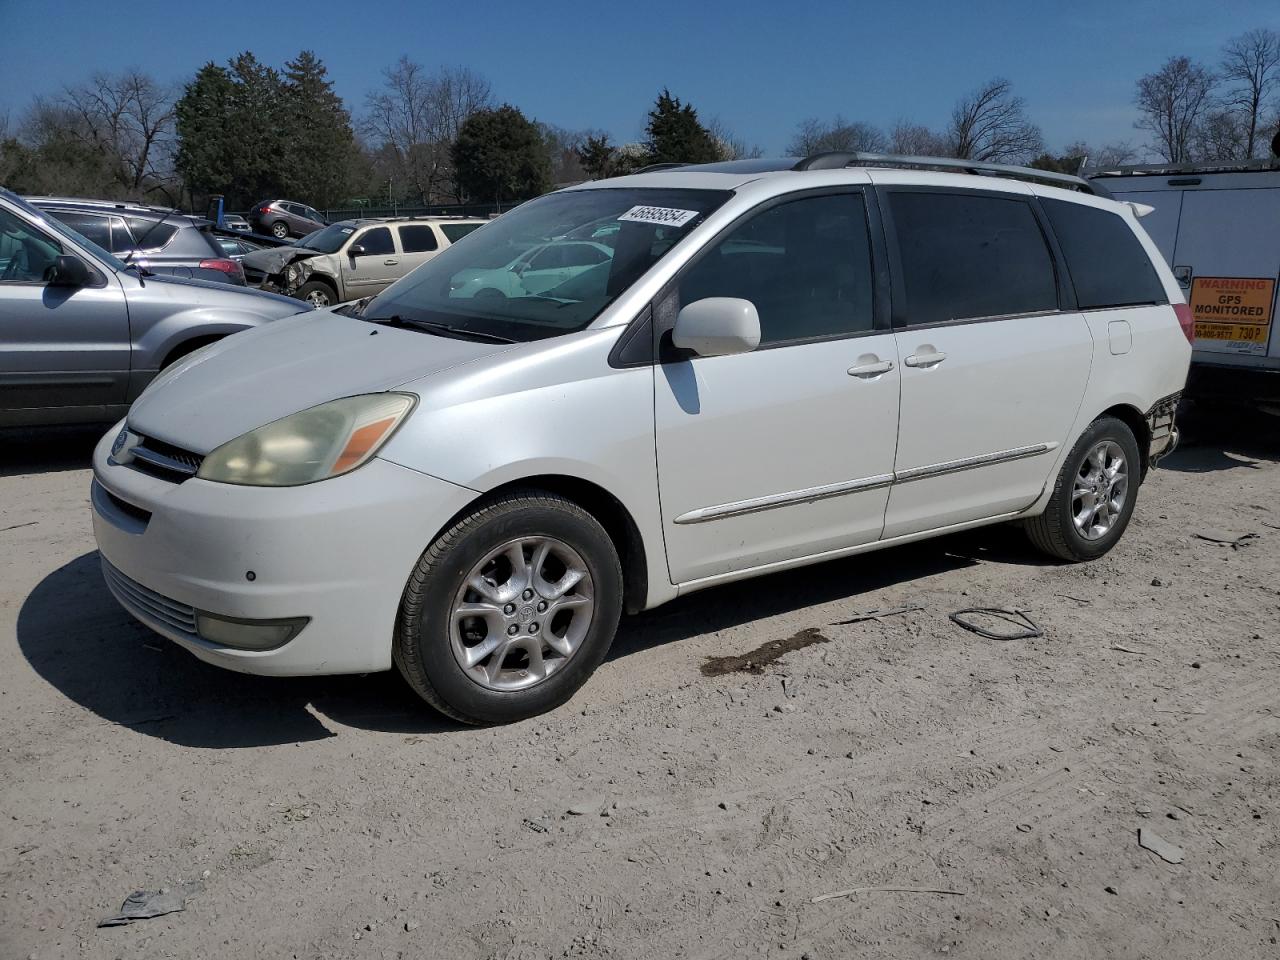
317, 293
1094, 496
510, 610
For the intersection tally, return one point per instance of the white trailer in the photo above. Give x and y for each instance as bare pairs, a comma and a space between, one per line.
1218, 226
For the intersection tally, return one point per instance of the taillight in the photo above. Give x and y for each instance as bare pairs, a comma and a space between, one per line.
229, 267
1185, 321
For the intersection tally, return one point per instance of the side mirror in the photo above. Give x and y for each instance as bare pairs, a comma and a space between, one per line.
69, 271
357, 250
717, 327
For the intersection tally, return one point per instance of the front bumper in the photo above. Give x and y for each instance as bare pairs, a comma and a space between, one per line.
337, 552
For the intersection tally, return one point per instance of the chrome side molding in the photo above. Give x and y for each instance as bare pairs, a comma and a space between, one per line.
844, 488
970, 463
790, 499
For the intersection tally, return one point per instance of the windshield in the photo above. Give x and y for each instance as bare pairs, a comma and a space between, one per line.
548, 267
328, 240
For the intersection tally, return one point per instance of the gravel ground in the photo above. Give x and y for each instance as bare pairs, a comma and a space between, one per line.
666, 813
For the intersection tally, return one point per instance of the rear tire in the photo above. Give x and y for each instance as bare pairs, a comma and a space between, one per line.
535, 630
280, 230
1094, 495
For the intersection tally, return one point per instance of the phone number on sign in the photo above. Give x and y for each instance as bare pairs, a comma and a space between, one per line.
1229, 331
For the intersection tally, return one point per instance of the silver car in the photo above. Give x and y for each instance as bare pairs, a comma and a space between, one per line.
81, 333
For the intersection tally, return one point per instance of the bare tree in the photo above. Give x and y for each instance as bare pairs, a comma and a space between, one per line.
1106, 155
129, 118
1251, 69
818, 136
418, 115
915, 140
1171, 102
991, 124
732, 146
1222, 136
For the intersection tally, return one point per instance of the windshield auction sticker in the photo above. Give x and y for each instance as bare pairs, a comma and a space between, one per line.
662, 216
1235, 312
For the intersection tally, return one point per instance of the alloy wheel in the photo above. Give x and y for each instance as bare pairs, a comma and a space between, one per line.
1100, 490
521, 613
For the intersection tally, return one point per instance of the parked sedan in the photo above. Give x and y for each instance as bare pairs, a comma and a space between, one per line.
157, 239
233, 221
776, 366
82, 333
285, 218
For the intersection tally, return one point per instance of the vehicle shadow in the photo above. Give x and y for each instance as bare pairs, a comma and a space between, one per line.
78, 639
32, 450
1217, 438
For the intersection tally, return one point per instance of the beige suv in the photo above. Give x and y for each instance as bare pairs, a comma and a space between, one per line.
352, 259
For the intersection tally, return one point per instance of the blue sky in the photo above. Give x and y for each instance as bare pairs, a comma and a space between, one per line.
758, 66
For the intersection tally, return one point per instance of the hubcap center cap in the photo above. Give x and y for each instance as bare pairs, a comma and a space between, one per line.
525, 613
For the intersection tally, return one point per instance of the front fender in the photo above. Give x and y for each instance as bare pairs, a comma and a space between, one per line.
160, 339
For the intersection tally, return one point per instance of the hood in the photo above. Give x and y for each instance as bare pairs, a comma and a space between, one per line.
274, 260
213, 293
261, 375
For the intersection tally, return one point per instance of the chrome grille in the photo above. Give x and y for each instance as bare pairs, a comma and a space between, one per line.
148, 605
165, 461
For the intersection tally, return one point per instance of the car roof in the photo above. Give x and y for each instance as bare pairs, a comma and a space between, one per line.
121, 208
733, 174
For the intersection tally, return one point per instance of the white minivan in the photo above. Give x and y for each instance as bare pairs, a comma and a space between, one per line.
775, 363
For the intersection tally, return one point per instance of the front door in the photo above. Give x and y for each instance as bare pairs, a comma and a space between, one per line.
993, 371
787, 451
59, 347
376, 268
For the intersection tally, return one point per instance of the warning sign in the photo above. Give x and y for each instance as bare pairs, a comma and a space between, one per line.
1233, 309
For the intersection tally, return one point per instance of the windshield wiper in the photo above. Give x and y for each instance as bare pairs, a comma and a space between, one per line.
460, 333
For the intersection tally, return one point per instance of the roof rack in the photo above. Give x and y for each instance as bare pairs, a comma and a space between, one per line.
655, 167
838, 159
107, 204
1158, 169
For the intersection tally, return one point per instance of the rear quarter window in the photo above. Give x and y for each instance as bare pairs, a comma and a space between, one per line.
1107, 262
456, 231
151, 234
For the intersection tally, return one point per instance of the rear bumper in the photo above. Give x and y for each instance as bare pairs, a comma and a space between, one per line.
1163, 429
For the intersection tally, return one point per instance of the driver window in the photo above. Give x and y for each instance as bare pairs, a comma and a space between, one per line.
377, 242
25, 253
805, 264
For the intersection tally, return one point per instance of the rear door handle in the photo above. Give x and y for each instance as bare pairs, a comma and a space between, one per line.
872, 369
931, 359
391, 262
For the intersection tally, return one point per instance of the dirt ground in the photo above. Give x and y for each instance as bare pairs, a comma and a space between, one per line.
338, 817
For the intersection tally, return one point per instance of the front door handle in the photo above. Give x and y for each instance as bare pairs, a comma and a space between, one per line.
930, 359
391, 262
871, 369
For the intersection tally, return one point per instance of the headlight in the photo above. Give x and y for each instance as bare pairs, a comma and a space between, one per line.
310, 445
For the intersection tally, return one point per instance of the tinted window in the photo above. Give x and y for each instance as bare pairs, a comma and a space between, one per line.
90, 225
151, 234
456, 231
806, 265
966, 256
1106, 261
377, 241
25, 253
418, 239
